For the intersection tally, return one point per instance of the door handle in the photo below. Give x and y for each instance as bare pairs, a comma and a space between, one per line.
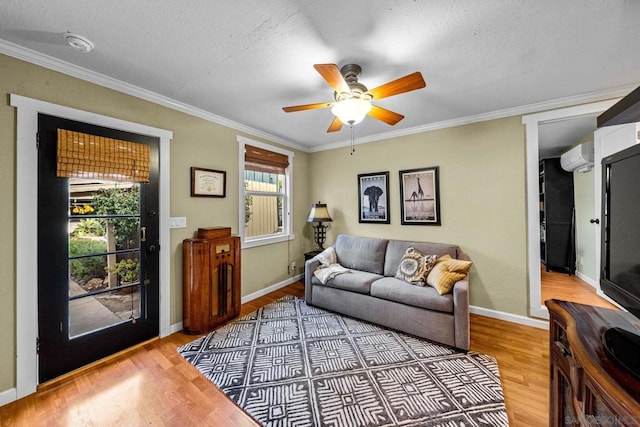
143, 232
594, 221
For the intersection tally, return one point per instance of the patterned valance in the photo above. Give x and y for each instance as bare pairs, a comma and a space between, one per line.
81, 155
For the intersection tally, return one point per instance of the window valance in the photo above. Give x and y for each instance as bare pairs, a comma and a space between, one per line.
262, 160
82, 155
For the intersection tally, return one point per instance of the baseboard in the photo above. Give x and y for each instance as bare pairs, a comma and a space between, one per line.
271, 288
586, 279
8, 396
514, 318
177, 327
608, 298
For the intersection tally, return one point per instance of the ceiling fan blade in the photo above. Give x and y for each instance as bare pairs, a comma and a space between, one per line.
403, 84
387, 116
333, 76
307, 107
335, 125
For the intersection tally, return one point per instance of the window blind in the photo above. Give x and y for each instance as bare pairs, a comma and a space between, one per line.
261, 160
81, 155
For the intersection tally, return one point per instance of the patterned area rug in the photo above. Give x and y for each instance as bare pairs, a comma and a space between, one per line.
289, 364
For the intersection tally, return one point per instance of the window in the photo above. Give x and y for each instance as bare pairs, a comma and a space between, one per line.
265, 193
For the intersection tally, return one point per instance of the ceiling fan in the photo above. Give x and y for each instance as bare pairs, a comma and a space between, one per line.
353, 99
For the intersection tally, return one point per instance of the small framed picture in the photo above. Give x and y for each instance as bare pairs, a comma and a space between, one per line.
419, 196
208, 182
373, 197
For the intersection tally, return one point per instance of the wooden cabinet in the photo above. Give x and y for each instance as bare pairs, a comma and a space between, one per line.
587, 387
557, 246
211, 280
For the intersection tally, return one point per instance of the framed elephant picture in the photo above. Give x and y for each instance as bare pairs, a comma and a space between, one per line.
373, 197
419, 197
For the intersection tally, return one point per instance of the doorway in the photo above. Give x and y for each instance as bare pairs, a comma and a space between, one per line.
26, 226
97, 245
532, 127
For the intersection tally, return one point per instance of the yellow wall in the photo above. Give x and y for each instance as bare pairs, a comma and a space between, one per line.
196, 142
482, 193
482, 196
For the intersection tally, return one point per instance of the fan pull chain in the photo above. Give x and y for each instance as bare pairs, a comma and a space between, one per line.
353, 149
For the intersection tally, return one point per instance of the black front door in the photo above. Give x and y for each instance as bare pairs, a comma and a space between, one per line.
97, 260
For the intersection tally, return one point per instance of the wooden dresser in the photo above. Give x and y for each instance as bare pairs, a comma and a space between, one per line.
587, 388
211, 279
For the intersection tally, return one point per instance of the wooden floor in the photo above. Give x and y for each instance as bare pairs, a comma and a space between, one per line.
154, 385
569, 288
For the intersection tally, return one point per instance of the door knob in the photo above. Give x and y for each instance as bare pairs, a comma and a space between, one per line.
594, 221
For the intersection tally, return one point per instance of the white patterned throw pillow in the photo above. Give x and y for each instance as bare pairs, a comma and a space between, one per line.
414, 267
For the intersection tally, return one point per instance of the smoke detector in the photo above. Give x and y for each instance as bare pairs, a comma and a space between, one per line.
78, 42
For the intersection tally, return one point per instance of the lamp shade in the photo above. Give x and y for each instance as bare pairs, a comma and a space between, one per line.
319, 213
351, 111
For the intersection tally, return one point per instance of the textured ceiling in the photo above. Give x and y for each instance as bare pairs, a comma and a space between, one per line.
556, 137
242, 61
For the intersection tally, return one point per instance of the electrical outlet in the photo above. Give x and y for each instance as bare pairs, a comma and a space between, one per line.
293, 266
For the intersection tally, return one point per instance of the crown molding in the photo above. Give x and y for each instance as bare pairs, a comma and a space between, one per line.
493, 115
37, 58
46, 61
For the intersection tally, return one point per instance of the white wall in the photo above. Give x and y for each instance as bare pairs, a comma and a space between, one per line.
583, 188
607, 141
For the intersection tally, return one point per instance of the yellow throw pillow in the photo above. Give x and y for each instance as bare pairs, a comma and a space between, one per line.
447, 272
414, 266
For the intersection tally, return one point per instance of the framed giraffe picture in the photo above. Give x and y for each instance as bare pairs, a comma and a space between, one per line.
419, 196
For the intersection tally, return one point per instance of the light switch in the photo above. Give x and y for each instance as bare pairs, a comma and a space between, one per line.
178, 222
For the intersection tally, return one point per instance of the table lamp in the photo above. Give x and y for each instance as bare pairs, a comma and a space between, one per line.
319, 213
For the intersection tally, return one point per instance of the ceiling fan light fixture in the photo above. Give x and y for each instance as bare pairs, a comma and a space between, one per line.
353, 99
351, 111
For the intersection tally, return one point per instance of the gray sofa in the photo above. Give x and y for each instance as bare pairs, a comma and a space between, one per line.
371, 292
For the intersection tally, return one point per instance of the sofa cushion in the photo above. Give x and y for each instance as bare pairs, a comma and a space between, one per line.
361, 253
414, 267
397, 248
446, 273
397, 290
355, 281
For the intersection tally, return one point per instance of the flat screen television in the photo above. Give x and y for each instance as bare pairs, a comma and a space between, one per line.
620, 272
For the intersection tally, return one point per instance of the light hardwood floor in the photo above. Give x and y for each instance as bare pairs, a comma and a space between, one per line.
154, 385
569, 288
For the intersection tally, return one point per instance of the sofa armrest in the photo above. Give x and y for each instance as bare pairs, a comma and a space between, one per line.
461, 313
463, 255
309, 267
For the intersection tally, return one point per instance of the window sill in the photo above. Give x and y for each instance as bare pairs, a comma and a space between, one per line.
268, 240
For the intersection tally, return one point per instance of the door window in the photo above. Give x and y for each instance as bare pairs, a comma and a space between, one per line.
104, 254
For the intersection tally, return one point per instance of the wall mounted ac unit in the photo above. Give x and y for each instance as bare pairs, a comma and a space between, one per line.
578, 158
